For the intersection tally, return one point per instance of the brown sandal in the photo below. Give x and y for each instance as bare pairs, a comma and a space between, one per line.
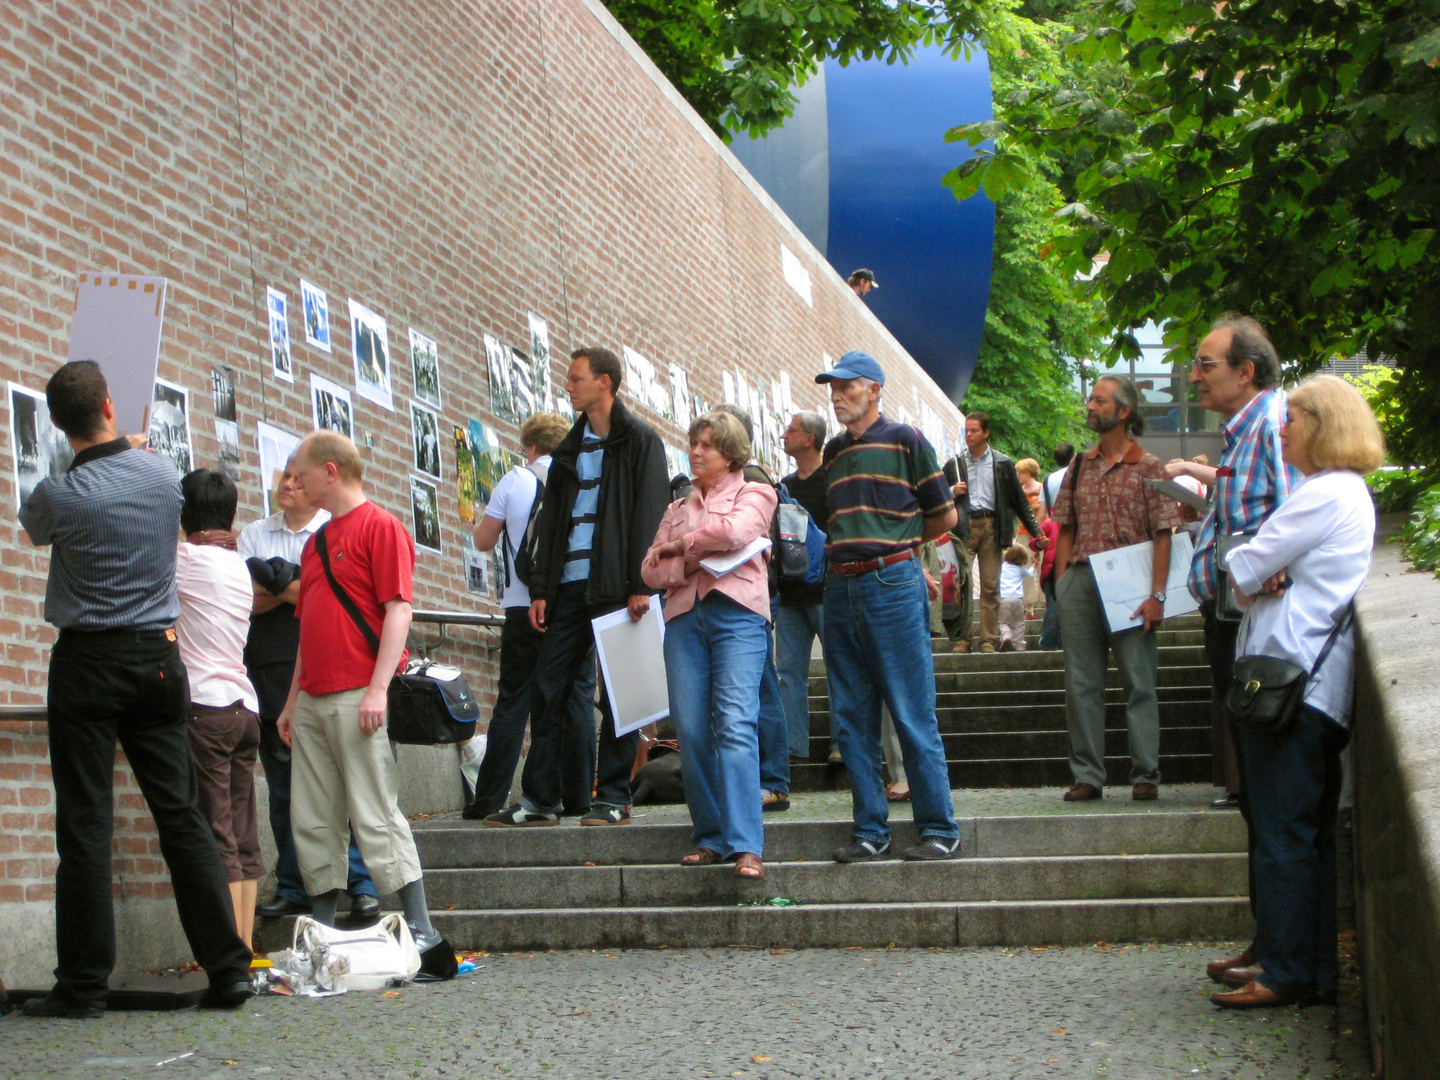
749, 867
701, 856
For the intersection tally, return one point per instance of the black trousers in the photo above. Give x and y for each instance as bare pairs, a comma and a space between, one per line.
128, 686
1220, 639
567, 655
520, 645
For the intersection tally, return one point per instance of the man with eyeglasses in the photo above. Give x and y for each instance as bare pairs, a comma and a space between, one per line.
1237, 374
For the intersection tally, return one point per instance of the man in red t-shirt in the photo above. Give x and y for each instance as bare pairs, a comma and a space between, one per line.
343, 774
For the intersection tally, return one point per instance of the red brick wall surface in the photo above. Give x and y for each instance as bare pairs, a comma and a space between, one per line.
450, 165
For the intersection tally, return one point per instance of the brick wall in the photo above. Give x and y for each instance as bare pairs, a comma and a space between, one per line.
452, 166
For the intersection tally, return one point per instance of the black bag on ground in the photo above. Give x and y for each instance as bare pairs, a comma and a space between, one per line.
1266, 692
426, 705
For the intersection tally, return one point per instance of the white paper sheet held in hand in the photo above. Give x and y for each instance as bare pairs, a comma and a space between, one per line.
723, 563
1123, 578
632, 663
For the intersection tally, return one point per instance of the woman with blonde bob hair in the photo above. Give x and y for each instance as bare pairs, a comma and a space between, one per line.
717, 635
1299, 577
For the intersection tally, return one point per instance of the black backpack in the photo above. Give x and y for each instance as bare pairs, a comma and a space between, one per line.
523, 558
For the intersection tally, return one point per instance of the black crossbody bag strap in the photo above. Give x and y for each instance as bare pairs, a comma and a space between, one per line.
322, 548
1330, 641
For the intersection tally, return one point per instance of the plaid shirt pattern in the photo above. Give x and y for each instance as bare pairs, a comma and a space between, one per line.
1259, 482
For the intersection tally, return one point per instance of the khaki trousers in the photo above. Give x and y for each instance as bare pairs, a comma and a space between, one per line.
985, 558
342, 779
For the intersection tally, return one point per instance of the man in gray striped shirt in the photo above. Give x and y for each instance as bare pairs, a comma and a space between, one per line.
112, 522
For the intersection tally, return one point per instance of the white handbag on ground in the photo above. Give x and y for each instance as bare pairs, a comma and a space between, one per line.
376, 957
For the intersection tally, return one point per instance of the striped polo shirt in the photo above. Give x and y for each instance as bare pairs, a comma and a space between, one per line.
882, 486
112, 522
588, 464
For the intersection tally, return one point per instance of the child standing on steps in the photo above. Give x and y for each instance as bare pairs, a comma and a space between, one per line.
1013, 571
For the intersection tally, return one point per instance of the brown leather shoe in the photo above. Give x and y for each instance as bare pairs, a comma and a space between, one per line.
987, 646
961, 646
1144, 793
1216, 968
1252, 995
1083, 793
1237, 977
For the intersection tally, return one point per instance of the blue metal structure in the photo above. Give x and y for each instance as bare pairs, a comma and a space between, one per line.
859, 169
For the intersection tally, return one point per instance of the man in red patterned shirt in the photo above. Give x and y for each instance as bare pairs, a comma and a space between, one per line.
1104, 504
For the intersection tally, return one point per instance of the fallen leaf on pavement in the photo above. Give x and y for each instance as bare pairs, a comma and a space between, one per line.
758, 1058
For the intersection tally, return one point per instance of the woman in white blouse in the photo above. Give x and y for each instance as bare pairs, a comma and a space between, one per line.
1299, 576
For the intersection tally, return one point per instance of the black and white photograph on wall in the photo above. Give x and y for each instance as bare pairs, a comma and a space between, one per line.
502, 386
222, 391
425, 507
425, 362
169, 433
424, 434
332, 407
522, 382
680, 393
317, 316
227, 436
540, 362
370, 347
41, 449
477, 566
277, 307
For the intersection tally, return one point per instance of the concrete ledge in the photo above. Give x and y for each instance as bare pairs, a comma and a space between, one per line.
1396, 751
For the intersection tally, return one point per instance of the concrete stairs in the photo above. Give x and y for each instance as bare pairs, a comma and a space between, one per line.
1002, 717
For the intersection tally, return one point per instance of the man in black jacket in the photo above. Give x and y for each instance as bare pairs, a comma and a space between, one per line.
606, 492
989, 497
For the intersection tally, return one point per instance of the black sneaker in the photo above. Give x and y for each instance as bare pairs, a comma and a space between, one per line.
931, 849
475, 812
230, 995
517, 816
54, 1007
606, 815
861, 851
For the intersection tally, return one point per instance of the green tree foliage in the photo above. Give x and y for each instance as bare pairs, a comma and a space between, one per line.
1278, 157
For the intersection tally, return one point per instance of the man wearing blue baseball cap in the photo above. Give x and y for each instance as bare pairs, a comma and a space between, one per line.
886, 497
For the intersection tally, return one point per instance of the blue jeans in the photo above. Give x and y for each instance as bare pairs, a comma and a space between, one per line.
1293, 783
714, 658
1050, 625
796, 627
877, 647
774, 740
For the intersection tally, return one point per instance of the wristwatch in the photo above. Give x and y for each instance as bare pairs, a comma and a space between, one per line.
1158, 596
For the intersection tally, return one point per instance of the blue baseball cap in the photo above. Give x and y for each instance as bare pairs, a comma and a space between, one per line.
854, 365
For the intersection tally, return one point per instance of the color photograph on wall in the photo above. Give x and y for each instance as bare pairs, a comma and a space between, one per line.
282, 364
540, 361
425, 437
502, 383
477, 566
425, 511
41, 449
332, 410
464, 473
491, 462
169, 433
316, 307
275, 446
370, 348
425, 363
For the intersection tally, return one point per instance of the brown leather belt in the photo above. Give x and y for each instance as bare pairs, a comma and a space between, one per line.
864, 566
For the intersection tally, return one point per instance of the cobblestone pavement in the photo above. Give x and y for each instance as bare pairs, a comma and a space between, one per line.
1137, 1012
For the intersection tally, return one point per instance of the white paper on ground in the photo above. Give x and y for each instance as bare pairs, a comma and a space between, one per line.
1123, 579
632, 663
723, 563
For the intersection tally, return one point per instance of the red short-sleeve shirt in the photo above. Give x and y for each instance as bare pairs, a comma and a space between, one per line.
373, 559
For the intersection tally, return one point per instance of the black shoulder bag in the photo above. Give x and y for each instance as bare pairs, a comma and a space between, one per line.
1266, 692
422, 709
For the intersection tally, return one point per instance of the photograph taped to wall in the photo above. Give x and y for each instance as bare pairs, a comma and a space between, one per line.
464, 473
277, 309
540, 381
332, 410
118, 323
276, 446
169, 433
477, 566
425, 362
502, 383
316, 305
425, 510
425, 436
522, 381
222, 391
40, 448
677, 461
491, 461
680, 394
370, 349
227, 436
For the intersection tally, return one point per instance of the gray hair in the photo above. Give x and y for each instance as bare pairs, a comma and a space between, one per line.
1250, 342
1127, 396
813, 424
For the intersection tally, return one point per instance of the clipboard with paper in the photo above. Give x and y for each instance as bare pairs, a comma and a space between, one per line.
632, 663
1123, 579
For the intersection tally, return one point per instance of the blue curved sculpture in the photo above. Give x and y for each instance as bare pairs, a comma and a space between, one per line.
859, 169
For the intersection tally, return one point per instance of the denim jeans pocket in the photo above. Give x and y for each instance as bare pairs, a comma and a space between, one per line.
898, 575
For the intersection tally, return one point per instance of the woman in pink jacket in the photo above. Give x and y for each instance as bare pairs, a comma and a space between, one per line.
716, 634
